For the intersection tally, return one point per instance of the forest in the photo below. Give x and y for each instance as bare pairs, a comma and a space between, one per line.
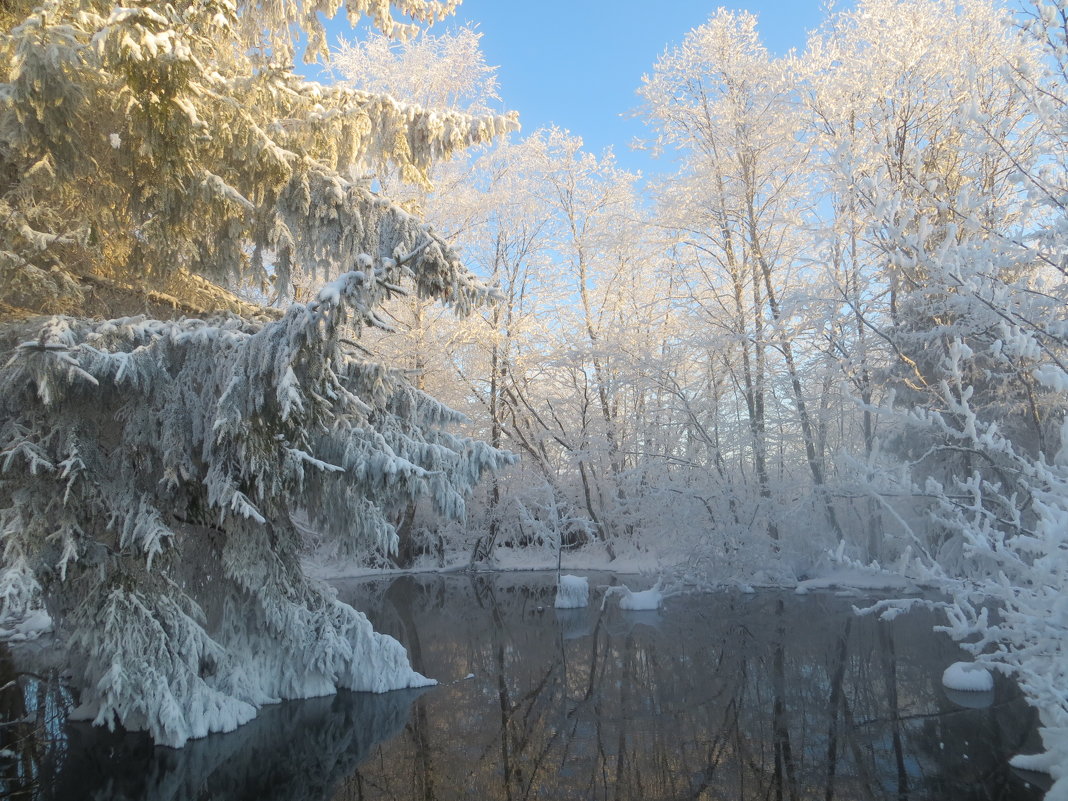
255, 328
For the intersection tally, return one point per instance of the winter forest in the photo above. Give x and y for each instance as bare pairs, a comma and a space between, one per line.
258, 329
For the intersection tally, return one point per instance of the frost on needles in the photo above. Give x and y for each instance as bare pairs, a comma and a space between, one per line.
151, 474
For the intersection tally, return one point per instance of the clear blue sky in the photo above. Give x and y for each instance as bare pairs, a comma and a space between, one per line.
579, 63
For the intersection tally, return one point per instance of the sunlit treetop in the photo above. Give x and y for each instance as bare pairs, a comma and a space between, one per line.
145, 144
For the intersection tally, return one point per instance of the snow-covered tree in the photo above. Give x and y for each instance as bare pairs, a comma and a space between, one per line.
156, 475
445, 71
886, 86
957, 181
740, 208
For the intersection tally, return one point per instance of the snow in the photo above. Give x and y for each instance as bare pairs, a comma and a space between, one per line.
1054, 761
33, 625
1039, 763
967, 677
592, 557
969, 699
643, 601
342, 651
855, 578
573, 592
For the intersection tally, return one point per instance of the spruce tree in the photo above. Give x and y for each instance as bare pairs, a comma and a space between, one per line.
169, 426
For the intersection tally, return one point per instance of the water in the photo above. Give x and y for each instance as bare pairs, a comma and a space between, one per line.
722, 696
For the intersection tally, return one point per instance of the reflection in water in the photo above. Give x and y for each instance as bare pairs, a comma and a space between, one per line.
772, 696
292, 751
724, 696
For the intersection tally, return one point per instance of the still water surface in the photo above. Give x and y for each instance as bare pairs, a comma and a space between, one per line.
716, 696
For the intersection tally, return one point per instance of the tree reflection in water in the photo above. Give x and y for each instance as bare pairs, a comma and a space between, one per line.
293, 751
767, 696
726, 696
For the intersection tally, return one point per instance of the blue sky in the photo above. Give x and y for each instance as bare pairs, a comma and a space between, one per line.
578, 63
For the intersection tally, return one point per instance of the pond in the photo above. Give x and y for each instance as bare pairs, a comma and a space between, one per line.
761, 696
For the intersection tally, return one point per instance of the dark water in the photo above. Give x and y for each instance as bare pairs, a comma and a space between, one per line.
725, 696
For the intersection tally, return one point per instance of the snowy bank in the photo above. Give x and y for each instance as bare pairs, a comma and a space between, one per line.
856, 578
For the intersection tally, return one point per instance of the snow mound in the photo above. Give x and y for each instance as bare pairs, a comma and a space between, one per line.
573, 592
1038, 763
643, 601
33, 625
968, 677
1053, 762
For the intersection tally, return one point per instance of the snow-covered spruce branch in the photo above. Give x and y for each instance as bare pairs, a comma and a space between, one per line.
149, 474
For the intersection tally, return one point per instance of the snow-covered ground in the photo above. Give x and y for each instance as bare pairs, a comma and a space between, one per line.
841, 578
593, 557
